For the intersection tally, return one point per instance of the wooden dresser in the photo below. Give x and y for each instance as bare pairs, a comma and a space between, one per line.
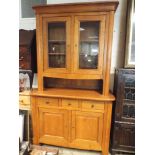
72, 106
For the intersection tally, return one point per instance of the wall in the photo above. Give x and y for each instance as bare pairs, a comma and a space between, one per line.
118, 32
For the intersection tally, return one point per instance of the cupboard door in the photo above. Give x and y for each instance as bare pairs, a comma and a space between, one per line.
53, 127
87, 130
124, 137
89, 44
56, 38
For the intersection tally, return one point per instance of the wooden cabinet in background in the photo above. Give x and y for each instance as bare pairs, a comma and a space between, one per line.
72, 106
27, 50
123, 126
27, 53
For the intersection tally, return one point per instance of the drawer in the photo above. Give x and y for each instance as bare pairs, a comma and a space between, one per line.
24, 100
46, 101
92, 105
67, 103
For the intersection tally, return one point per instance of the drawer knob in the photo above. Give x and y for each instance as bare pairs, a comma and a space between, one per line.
47, 102
92, 105
69, 104
21, 101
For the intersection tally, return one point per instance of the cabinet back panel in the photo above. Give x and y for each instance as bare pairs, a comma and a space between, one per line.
73, 84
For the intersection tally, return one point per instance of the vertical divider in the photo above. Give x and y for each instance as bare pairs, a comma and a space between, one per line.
108, 54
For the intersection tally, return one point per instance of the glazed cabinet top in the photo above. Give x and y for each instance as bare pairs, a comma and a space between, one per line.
74, 40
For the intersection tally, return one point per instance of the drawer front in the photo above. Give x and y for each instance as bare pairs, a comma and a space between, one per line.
67, 103
124, 137
24, 100
45, 101
92, 105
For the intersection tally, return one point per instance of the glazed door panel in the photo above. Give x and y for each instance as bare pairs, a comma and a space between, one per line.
87, 130
89, 44
53, 126
125, 100
56, 38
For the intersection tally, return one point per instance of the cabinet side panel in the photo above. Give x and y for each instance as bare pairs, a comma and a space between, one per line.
108, 54
107, 127
39, 51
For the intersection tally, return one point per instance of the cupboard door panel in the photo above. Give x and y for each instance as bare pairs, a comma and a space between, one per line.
124, 137
87, 130
89, 33
56, 39
53, 126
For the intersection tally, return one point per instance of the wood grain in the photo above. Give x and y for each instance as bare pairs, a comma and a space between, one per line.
73, 94
66, 116
77, 7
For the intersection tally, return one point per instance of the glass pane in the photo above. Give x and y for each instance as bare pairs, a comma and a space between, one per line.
89, 45
57, 45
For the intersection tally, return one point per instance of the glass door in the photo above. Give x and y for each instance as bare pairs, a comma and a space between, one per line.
89, 43
56, 31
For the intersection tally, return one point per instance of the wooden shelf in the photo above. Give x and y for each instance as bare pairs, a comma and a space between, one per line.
89, 41
56, 53
88, 55
59, 41
73, 94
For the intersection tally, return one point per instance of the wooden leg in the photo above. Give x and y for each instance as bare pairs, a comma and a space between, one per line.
107, 127
34, 123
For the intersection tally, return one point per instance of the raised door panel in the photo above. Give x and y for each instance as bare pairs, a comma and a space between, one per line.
124, 137
89, 44
87, 130
56, 45
53, 126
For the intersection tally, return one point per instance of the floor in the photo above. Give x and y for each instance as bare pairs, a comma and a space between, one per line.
66, 151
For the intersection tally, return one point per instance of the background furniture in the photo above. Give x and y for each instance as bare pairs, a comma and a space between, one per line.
27, 53
72, 106
27, 65
123, 124
25, 108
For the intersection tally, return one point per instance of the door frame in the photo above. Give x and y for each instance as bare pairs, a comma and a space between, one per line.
77, 19
46, 20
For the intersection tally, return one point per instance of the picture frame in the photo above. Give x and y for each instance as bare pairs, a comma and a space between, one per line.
130, 36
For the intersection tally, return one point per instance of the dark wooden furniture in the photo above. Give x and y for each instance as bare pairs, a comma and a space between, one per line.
27, 53
27, 65
123, 124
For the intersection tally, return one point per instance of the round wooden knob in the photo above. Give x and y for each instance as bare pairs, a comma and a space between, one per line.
21, 101
92, 105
